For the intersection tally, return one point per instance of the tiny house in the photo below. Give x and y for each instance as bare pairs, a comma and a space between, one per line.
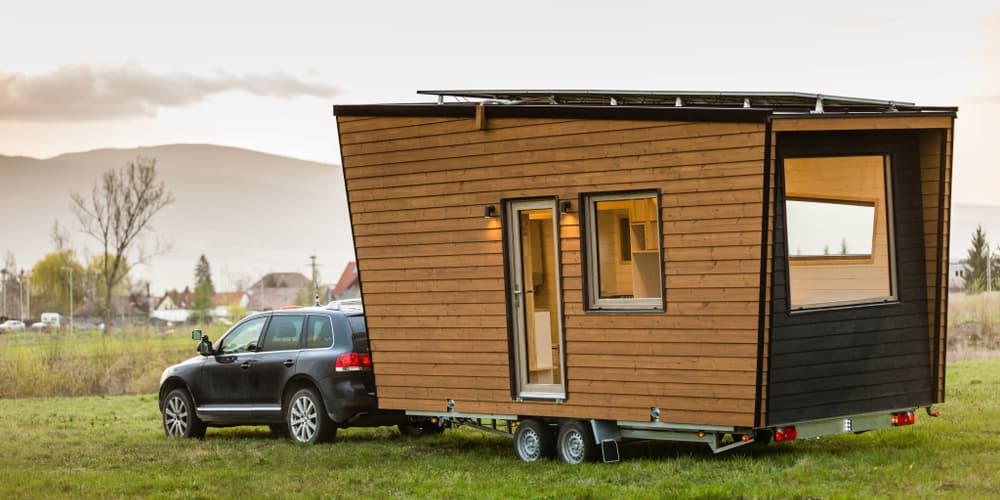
582, 268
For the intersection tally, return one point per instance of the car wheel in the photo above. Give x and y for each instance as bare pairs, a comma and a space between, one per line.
533, 441
179, 418
307, 419
576, 443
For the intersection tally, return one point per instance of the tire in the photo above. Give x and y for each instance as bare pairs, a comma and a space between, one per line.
307, 420
179, 418
533, 441
576, 443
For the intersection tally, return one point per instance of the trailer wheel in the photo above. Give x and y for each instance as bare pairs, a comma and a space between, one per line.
533, 440
576, 443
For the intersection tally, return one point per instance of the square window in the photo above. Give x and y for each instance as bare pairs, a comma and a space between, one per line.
839, 235
624, 254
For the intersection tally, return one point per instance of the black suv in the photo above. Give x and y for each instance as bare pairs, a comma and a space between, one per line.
304, 371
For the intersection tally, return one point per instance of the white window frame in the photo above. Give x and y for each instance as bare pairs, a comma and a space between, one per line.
592, 265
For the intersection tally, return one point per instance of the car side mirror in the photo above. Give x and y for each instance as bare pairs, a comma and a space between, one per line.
205, 347
195, 334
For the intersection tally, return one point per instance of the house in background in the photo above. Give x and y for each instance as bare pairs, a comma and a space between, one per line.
348, 286
229, 304
275, 290
956, 276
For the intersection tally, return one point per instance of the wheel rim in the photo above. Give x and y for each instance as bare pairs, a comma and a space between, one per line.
304, 419
529, 445
175, 416
573, 447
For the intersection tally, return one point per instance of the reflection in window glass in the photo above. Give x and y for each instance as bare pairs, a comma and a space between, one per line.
625, 268
829, 228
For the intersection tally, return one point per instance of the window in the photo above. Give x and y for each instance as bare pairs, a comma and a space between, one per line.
319, 333
624, 257
283, 333
839, 236
244, 337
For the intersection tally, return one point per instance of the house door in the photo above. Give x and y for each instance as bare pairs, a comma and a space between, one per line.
535, 298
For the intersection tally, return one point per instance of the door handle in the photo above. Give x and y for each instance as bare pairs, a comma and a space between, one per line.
288, 363
247, 364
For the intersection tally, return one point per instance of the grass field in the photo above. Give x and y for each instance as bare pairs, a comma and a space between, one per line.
114, 446
88, 363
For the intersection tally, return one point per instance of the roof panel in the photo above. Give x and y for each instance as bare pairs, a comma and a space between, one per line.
778, 101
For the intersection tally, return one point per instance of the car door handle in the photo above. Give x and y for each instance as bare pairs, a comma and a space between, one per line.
288, 363
247, 364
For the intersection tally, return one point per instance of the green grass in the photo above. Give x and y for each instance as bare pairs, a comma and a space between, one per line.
87, 363
114, 446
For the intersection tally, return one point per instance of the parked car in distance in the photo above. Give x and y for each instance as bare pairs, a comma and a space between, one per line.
302, 371
49, 321
11, 325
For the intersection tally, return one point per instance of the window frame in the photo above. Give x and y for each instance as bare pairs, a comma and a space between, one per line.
232, 331
589, 246
310, 319
890, 224
262, 344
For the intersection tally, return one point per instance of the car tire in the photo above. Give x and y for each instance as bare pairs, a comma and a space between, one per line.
533, 440
576, 443
307, 420
179, 417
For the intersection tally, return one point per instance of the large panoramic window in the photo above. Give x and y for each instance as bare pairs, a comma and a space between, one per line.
839, 234
624, 258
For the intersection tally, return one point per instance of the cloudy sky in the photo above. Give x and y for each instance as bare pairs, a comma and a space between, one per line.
263, 75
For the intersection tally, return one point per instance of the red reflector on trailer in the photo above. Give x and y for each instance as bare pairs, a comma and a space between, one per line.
785, 434
903, 418
353, 361
746, 438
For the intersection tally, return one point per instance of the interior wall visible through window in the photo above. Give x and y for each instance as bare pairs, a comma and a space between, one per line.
839, 232
625, 263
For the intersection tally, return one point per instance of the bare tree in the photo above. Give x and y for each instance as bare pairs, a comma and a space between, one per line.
121, 206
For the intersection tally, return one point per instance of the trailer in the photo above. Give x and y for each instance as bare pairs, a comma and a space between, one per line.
577, 269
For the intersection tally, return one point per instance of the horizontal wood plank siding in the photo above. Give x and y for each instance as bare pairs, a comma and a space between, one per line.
432, 266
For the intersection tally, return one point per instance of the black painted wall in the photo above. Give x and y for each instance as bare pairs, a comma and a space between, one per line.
835, 362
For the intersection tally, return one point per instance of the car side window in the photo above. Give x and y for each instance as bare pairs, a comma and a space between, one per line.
320, 332
244, 337
283, 333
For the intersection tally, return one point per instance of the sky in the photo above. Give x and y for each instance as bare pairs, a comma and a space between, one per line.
77, 76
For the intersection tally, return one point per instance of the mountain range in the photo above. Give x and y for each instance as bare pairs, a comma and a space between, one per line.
248, 212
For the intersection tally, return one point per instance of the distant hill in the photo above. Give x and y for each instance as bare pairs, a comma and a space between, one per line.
248, 212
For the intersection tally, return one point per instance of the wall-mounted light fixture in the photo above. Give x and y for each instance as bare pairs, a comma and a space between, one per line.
489, 211
565, 206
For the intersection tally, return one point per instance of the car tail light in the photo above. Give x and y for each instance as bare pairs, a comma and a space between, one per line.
785, 434
903, 418
353, 361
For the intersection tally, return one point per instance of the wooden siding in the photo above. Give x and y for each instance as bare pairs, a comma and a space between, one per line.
834, 362
935, 160
432, 267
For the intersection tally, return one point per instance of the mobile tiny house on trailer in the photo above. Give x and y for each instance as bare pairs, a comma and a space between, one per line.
652, 265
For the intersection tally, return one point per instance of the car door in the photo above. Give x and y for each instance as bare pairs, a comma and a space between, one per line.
274, 364
221, 389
